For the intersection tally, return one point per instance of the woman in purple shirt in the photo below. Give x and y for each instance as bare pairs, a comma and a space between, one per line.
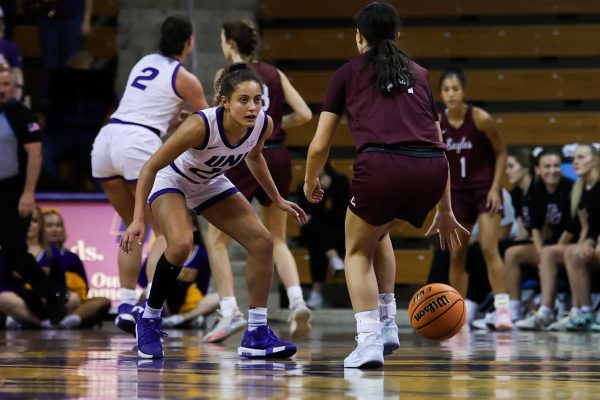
400, 171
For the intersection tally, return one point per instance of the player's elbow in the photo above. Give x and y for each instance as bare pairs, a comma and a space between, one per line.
304, 115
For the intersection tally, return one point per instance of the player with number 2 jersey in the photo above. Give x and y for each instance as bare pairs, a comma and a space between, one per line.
157, 88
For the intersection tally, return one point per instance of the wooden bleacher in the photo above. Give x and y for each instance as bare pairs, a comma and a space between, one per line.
437, 42
488, 85
541, 101
318, 9
533, 64
523, 129
412, 267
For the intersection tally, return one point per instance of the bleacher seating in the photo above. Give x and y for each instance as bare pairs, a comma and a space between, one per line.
488, 85
529, 129
437, 42
317, 9
533, 65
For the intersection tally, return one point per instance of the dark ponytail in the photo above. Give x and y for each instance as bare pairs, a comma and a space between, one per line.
379, 24
174, 32
232, 76
244, 34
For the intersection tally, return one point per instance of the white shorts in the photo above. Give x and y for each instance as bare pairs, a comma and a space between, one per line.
121, 150
198, 196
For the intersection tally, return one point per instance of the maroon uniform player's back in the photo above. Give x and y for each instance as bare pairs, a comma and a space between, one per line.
406, 118
470, 154
273, 97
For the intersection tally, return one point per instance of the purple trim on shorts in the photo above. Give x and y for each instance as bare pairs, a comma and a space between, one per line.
174, 78
164, 191
214, 200
46, 196
108, 178
178, 171
130, 181
220, 112
151, 129
206, 133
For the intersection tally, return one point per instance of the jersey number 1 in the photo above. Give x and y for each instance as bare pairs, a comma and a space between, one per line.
151, 73
463, 167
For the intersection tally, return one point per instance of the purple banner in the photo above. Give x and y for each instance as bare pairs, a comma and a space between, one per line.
93, 233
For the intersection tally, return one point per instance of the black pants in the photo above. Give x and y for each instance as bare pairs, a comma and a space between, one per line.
319, 237
13, 235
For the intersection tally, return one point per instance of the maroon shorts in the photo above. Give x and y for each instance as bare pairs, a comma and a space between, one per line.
387, 186
468, 204
280, 166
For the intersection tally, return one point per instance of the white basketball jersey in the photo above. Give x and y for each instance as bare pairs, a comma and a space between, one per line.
217, 155
150, 98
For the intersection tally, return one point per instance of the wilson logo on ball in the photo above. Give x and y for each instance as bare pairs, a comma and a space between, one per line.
420, 294
432, 307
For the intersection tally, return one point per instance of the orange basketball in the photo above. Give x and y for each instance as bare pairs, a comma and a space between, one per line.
437, 311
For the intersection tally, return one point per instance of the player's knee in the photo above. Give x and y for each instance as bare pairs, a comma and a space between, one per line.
7, 301
262, 243
178, 250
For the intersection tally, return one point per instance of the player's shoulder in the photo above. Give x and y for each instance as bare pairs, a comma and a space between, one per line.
479, 114
482, 118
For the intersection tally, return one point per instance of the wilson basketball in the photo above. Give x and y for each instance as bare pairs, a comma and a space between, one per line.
437, 311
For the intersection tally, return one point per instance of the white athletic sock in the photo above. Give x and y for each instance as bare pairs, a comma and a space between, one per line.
545, 310
367, 324
471, 308
586, 309
387, 306
128, 296
150, 312
256, 317
70, 321
148, 289
228, 305
515, 309
501, 300
294, 294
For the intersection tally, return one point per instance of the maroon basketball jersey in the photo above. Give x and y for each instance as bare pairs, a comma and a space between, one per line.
406, 118
273, 97
470, 154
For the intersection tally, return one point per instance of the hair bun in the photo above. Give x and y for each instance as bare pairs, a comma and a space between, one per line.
237, 67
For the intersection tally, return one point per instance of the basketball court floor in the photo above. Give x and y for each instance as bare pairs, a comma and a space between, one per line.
102, 364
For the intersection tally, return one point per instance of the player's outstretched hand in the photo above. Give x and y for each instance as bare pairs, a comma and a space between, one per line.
313, 191
448, 227
137, 229
293, 209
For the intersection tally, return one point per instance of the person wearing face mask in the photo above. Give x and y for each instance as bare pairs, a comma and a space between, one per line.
187, 171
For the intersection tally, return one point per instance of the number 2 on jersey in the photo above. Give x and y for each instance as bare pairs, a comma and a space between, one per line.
151, 73
463, 167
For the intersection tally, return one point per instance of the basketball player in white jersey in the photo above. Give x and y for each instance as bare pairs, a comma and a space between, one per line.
188, 172
157, 88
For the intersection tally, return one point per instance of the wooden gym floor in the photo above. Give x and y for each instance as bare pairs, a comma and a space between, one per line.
102, 364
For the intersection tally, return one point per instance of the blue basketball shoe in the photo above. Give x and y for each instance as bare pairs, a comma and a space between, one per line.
127, 316
148, 336
262, 342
